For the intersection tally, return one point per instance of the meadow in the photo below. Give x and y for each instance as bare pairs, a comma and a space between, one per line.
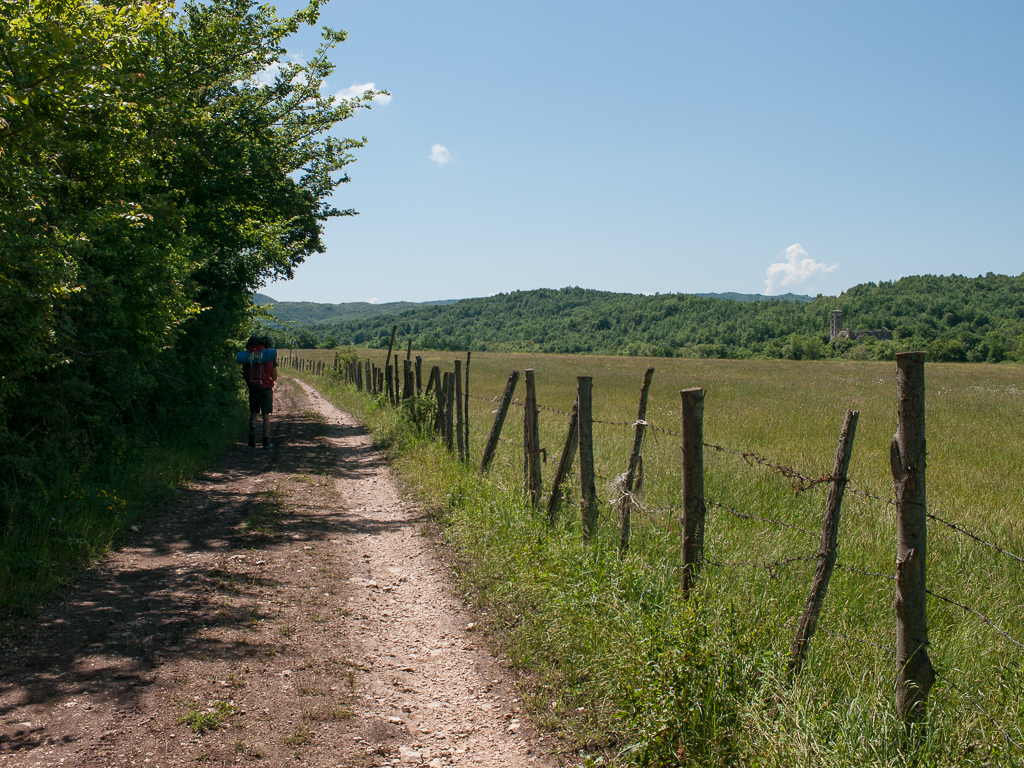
635, 674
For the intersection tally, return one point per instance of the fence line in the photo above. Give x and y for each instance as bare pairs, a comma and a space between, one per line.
980, 708
800, 481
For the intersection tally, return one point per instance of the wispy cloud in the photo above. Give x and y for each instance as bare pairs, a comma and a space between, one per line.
796, 270
268, 75
358, 89
439, 154
375, 300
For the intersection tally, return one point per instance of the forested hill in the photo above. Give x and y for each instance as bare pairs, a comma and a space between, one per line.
308, 312
954, 318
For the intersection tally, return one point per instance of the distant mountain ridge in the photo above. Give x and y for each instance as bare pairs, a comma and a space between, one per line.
312, 313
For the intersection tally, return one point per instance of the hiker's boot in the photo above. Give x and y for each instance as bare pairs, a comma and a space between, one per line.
252, 438
266, 442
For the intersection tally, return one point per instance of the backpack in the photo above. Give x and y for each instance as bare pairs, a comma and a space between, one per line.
259, 367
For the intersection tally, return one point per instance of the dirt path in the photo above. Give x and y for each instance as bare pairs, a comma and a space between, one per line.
283, 610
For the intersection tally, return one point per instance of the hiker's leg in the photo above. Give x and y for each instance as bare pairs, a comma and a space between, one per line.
266, 425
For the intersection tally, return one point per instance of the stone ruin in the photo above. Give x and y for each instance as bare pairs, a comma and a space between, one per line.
836, 329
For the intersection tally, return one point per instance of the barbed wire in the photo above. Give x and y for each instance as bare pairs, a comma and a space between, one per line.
980, 708
751, 516
981, 616
970, 535
763, 565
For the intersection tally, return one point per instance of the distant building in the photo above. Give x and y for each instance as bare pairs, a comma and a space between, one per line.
836, 330
835, 324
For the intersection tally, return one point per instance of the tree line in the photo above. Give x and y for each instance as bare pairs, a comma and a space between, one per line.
158, 164
953, 318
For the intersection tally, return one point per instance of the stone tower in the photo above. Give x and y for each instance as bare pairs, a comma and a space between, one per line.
835, 324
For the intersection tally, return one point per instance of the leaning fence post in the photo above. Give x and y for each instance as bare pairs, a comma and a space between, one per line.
531, 440
626, 501
588, 489
419, 375
564, 464
827, 549
914, 672
499, 421
391, 345
406, 379
693, 485
457, 380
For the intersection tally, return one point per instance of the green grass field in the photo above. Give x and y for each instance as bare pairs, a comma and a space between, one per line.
640, 676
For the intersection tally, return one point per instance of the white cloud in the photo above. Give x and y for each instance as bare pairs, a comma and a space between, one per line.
375, 300
439, 154
796, 270
356, 90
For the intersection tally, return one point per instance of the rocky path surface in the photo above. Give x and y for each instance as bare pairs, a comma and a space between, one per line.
283, 610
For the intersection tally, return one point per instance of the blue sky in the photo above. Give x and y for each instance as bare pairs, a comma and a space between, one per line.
672, 147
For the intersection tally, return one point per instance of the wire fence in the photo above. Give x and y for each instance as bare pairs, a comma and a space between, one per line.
800, 481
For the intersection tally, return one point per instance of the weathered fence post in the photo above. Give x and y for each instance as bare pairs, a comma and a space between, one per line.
499, 421
531, 440
907, 459
626, 500
368, 384
827, 549
465, 415
693, 485
564, 464
419, 375
588, 488
457, 380
449, 394
440, 397
408, 352
391, 345
389, 379
434, 380
406, 379
394, 378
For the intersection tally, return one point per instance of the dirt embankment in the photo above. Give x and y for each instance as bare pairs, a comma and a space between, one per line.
283, 610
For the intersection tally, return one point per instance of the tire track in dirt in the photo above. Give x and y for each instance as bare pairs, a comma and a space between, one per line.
283, 610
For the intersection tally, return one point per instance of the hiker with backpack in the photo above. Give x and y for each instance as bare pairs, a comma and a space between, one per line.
260, 373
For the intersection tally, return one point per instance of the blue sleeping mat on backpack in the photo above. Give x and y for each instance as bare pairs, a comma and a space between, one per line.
263, 356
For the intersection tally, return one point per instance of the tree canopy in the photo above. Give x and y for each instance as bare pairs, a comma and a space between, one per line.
157, 166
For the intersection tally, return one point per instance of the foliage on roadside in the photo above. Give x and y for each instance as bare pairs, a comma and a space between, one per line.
158, 164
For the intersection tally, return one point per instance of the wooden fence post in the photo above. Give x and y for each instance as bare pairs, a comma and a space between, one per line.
434, 380
531, 440
408, 352
564, 464
394, 377
499, 421
827, 549
449, 394
693, 485
439, 395
465, 415
391, 345
457, 380
406, 379
588, 488
626, 501
914, 672
419, 375
389, 379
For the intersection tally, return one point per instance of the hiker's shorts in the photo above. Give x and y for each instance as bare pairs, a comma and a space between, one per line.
261, 400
